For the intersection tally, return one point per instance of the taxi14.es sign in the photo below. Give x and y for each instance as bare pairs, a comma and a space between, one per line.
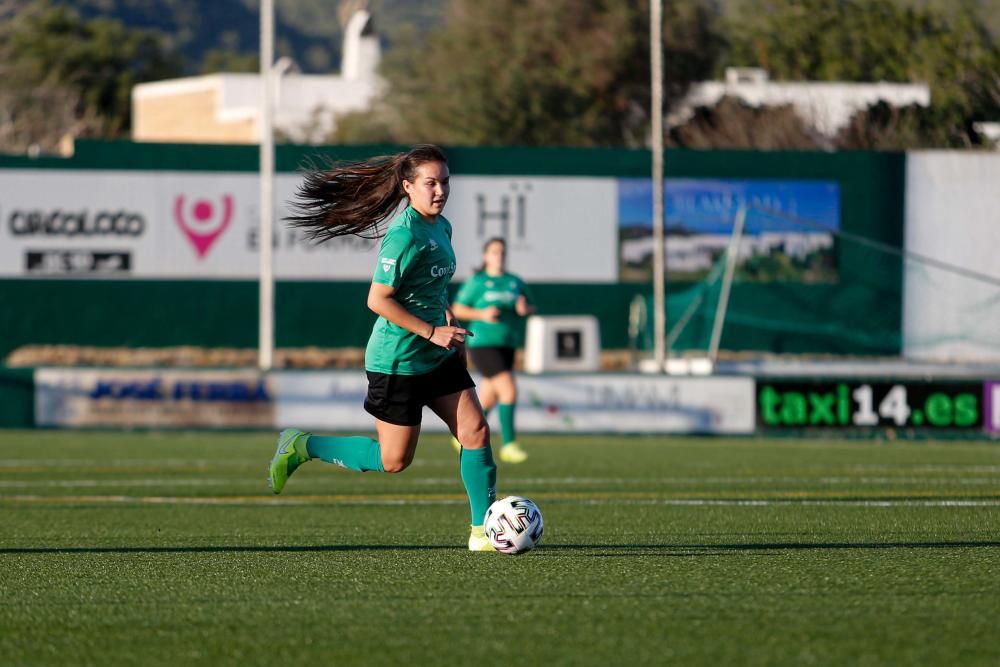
868, 405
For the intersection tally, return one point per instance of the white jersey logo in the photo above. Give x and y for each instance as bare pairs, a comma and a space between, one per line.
387, 263
438, 271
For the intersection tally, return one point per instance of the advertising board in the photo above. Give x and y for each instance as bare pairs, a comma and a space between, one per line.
788, 233
991, 407
71, 397
198, 225
858, 404
570, 403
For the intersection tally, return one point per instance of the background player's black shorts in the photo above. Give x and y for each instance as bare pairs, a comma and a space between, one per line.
400, 399
492, 361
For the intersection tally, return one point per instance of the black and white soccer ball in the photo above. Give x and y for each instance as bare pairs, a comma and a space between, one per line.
513, 525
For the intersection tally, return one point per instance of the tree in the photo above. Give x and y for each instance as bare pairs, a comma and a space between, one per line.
535, 72
60, 73
229, 60
880, 40
884, 127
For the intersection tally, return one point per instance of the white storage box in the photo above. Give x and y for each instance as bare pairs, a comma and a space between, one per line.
562, 343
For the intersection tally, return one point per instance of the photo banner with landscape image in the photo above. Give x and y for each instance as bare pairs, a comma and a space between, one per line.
788, 233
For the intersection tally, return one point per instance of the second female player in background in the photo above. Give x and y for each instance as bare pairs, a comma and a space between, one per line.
491, 302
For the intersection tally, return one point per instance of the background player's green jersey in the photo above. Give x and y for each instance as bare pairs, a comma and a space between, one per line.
482, 291
417, 259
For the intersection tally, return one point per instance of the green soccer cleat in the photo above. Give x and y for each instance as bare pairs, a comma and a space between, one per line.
290, 454
512, 453
478, 540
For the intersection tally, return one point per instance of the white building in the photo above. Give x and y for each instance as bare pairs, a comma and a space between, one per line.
224, 108
826, 106
990, 132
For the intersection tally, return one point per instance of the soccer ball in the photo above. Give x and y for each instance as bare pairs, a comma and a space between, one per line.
513, 525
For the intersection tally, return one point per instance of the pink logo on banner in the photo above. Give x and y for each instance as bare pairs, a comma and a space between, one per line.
204, 221
991, 406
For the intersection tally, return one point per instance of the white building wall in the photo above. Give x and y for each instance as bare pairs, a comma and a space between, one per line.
305, 104
952, 215
826, 106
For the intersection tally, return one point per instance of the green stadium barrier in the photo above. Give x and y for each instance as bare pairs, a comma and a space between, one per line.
783, 318
860, 314
17, 397
158, 313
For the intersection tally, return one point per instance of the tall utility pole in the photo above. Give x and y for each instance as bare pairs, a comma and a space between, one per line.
265, 350
656, 66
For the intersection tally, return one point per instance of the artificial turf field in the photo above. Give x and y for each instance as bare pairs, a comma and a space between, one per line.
146, 548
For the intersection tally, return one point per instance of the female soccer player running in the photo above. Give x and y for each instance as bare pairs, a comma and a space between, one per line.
415, 355
492, 300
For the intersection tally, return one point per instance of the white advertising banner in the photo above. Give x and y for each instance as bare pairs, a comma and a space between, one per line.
73, 397
591, 403
195, 225
332, 400
951, 216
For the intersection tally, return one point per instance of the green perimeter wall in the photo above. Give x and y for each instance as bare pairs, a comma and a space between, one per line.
861, 313
17, 397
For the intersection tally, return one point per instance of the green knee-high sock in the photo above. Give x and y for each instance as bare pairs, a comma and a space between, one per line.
354, 452
507, 431
479, 474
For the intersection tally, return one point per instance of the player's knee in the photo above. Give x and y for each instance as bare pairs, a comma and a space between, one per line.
394, 463
507, 393
475, 435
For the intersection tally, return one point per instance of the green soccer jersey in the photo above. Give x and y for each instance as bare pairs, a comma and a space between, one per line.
416, 258
482, 291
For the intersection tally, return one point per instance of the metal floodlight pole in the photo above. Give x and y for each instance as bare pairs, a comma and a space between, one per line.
265, 350
656, 66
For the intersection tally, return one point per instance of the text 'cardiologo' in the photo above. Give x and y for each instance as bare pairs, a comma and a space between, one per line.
63, 222
203, 221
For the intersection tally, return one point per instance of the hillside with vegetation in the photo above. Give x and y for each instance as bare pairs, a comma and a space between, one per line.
517, 72
224, 34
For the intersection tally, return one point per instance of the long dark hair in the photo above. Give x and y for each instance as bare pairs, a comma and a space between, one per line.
490, 241
356, 198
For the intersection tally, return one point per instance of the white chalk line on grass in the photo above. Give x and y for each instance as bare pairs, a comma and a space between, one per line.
919, 467
244, 501
693, 480
71, 463
695, 502
85, 463
524, 481
97, 483
461, 500
152, 465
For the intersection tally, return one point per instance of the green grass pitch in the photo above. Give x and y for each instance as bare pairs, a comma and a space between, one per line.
167, 548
